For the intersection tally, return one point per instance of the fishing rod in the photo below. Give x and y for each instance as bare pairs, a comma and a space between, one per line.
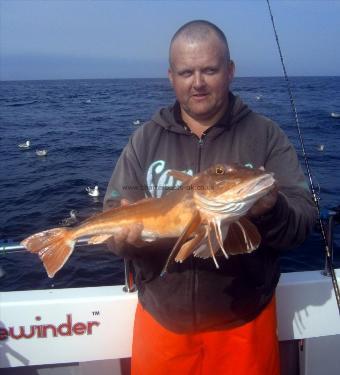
11, 247
329, 260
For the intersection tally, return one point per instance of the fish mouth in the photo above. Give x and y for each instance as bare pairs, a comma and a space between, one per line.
244, 191
236, 201
258, 186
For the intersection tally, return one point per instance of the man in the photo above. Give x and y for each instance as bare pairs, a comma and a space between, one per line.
197, 319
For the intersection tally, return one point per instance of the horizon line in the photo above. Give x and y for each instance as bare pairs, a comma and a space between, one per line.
135, 78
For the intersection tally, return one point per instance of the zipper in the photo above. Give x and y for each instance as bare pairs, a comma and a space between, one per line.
200, 145
193, 262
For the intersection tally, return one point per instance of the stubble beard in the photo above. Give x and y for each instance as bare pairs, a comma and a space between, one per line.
206, 112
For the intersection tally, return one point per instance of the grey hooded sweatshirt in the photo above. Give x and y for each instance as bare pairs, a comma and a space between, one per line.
195, 296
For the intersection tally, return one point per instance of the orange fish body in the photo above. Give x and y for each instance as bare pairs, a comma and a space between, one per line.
193, 213
163, 217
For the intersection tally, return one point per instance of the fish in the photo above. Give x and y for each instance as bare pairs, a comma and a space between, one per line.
206, 213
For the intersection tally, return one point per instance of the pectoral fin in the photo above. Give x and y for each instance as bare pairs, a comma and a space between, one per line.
188, 232
189, 246
211, 245
243, 237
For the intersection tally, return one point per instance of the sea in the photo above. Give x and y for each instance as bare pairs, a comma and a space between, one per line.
84, 125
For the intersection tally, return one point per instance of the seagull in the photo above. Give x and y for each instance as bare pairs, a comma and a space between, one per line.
27, 144
258, 97
41, 152
335, 114
71, 219
321, 147
93, 192
136, 122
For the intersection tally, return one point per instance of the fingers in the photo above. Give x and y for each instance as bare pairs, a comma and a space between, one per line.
131, 235
134, 236
125, 202
128, 237
265, 204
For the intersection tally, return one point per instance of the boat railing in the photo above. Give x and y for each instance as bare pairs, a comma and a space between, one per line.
130, 285
129, 280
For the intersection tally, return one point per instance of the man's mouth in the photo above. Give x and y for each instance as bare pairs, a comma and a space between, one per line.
200, 95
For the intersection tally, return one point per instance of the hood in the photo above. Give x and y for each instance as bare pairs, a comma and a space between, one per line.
166, 118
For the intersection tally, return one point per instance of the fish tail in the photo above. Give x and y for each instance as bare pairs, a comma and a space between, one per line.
53, 246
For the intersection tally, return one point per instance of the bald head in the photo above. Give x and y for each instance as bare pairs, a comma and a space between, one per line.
199, 31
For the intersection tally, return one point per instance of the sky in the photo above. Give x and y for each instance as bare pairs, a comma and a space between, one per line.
71, 39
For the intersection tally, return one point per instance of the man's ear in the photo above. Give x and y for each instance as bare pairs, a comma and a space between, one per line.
170, 76
231, 70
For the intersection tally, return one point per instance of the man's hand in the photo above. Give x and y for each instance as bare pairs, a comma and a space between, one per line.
265, 204
128, 238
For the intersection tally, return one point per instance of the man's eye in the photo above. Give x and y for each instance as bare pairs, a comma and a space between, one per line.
185, 73
210, 71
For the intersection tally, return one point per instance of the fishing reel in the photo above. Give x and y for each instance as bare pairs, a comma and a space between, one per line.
330, 214
336, 213
330, 218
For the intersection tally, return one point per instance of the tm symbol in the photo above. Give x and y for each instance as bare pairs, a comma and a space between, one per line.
95, 313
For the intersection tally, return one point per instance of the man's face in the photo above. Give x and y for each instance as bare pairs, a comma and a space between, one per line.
201, 75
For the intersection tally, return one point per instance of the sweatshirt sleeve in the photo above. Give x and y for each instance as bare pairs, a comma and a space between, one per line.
126, 180
294, 215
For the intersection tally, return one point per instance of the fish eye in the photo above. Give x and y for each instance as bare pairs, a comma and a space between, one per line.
219, 170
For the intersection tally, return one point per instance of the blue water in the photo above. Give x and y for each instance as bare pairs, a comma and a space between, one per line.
84, 124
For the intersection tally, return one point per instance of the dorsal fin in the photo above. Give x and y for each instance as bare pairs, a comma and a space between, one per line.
181, 176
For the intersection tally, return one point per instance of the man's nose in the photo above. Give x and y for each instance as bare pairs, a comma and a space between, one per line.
198, 80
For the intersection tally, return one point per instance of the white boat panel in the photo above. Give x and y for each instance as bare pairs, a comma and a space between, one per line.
76, 325
320, 355
306, 306
93, 324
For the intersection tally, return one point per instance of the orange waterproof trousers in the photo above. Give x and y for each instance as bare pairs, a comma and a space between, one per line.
251, 349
